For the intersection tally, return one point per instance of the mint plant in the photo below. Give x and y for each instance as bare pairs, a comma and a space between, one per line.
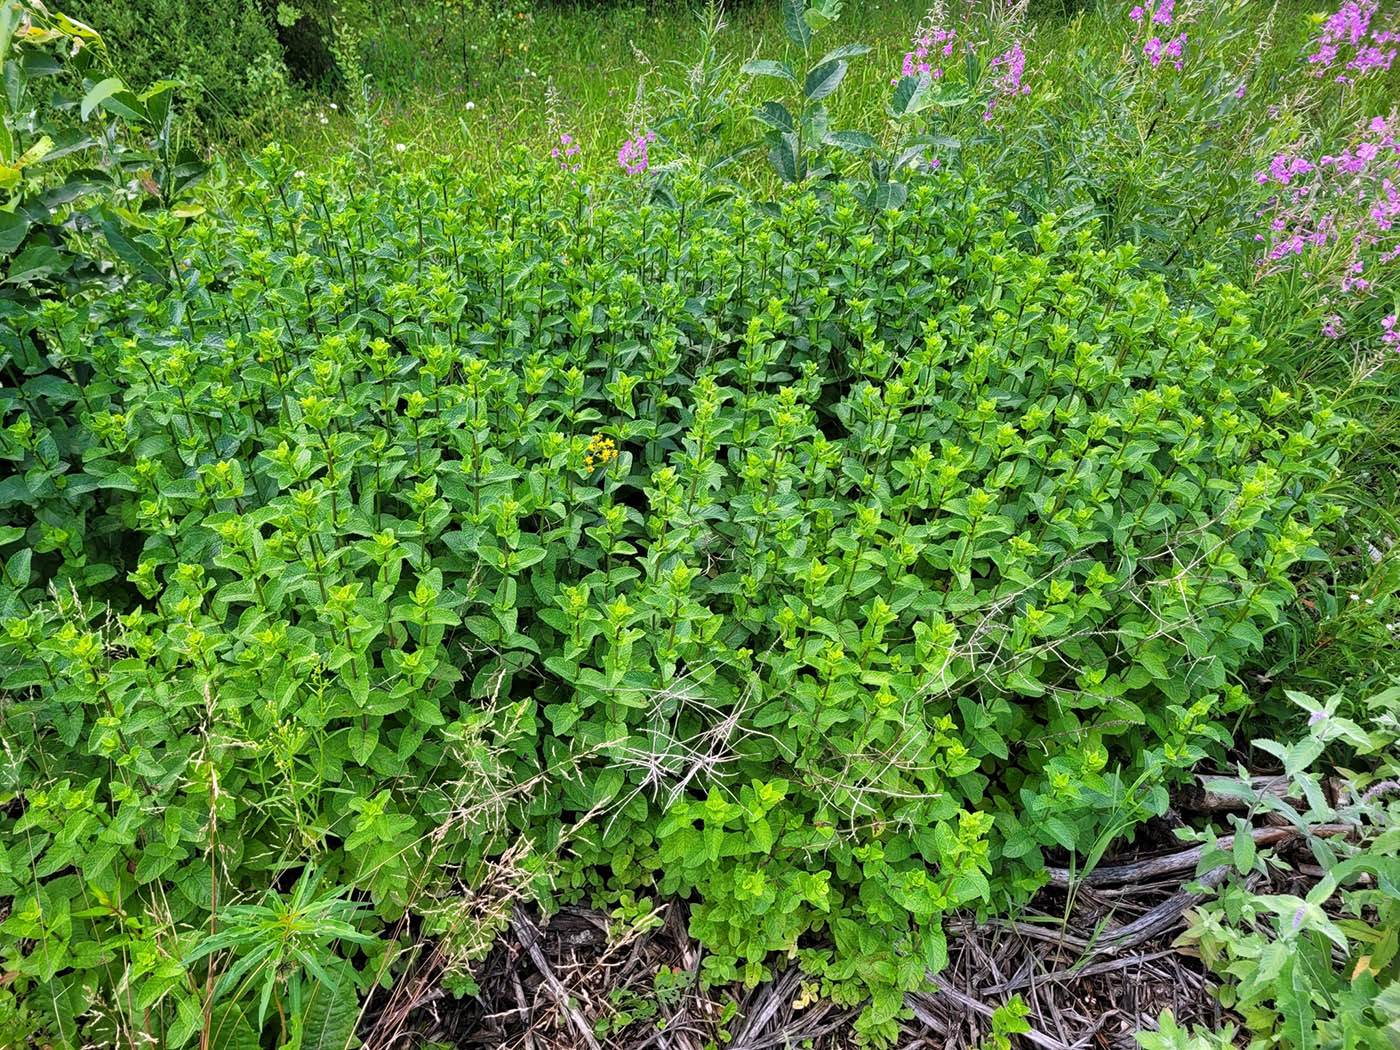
825, 566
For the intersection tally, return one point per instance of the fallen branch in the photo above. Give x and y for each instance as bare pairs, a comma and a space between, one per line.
1159, 919
1199, 798
774, 995
1155, 867
1072, 973
528, 936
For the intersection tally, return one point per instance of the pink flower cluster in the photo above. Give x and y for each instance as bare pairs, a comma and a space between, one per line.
1283, 169
1348, 39
928, 43
565, 152
1156, 50
1342, 212
1008, 69
633, 154
1160, 15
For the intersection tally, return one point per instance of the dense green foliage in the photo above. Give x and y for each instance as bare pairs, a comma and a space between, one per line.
394, 527
84, 161
225, 56
820, 527
243, 66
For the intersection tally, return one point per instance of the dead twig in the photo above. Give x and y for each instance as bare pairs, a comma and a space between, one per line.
774, 995
521, 1005
1071, 973
1155, 867
528, 936
1159, 919
963, 999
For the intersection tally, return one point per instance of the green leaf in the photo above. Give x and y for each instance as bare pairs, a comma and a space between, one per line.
845, 51
125, 104
231, 1029
17, 568
945, 101
785, 159
13, 227
35, 263
775, 115
139, 256
824, 79
763, 67
36, 152
887, 196
1243, 850
362, 743
40, 64
851, 141
761, 832
885, 1003
909, 95
794, 25
822, 13
331, 1009
1061, 830
98, 94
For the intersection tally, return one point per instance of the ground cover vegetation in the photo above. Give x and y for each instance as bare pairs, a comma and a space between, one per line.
878, 477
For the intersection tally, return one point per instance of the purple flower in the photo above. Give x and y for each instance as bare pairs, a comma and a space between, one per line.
1340, 216
565, 152
1163, 15
1156, 49
928, 40
633, 154
1008, 68
1348, 31
1173, 52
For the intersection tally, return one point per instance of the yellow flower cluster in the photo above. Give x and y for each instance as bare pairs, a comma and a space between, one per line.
601, 452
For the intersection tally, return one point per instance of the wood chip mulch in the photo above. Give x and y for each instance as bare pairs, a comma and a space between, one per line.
1094, 963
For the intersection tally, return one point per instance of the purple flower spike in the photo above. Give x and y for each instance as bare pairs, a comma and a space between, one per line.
633, 155
1009, 67
1348, 38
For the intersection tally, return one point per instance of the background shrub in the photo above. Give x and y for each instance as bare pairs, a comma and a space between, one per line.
225, 55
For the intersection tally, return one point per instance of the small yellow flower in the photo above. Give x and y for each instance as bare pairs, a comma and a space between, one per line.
601, 452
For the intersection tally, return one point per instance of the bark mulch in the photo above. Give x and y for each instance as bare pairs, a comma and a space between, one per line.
1094, 958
